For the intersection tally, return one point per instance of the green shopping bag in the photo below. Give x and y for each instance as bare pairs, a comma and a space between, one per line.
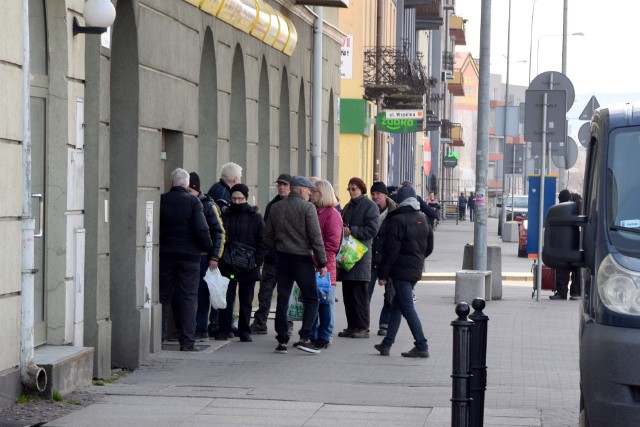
351, 251
296, 309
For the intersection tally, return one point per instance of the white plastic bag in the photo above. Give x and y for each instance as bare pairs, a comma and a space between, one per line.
217, 284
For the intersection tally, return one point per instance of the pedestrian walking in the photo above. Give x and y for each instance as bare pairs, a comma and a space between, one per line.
408, 240
270, 266
207, 260
331, 229
362, 221
184, 235
294, 231
471, 205
385, 205
462, 206
245, 232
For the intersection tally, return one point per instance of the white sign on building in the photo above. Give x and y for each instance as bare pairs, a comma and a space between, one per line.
346, 58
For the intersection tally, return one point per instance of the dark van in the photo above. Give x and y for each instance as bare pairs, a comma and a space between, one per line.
602, 243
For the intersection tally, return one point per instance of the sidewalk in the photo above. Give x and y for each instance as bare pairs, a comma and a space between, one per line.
533, 377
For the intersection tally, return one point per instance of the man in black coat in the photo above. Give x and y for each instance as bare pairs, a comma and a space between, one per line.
408, 240
184, 235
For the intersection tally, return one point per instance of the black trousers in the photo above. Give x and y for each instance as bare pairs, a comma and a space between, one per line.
562, 282
265, 294
245, 299
356, 303
299, 269
179, 280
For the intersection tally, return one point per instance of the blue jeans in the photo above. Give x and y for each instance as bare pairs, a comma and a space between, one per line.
383, 323
323, 328
402, 306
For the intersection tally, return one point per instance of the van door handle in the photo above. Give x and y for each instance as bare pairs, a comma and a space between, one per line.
40, 198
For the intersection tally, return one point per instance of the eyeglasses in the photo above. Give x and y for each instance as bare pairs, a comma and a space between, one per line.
353, 188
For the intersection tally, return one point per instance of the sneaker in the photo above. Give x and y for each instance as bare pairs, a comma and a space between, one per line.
558, 297
382, 332
574, 297
346, 333
416, 352
258, 329
321, 343
192, 349
281, 349
384, 351
306, 345
360, 333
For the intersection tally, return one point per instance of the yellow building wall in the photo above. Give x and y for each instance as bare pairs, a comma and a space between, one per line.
360, 21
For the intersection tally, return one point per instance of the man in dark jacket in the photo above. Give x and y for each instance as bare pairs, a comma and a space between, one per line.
207, 260
184, 235
408, 240
462, 206
293, 229
269, 269
230, 175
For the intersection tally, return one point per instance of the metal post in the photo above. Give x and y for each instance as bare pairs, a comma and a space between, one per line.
562, 173
482, 153
461, 373
503, 214
316, 149
478, 361
542, 176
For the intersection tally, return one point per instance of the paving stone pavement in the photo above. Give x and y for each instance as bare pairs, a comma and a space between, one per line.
532, 359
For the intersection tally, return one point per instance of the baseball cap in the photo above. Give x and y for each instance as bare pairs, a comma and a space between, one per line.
284, 177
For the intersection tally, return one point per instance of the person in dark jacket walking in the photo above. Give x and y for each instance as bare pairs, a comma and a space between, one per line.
244, 226
270, 267
361, 220
184, 235
471, 205
408, 241
293, 230
207, 260
462, 206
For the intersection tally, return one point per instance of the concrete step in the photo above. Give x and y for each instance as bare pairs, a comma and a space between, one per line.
68, 368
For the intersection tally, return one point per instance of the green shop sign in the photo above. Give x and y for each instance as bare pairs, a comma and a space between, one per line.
395, 125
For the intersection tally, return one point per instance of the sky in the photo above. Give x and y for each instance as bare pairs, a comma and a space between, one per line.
602, 62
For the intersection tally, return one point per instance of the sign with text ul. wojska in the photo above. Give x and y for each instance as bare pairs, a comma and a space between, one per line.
396, 125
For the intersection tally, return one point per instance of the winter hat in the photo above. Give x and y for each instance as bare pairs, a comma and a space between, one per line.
241, 188
301, 181
194, 181
564, 196
405, 192
379, 187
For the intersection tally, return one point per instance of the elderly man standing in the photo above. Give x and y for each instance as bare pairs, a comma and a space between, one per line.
230, 175
294, 231
184, 235
269, 268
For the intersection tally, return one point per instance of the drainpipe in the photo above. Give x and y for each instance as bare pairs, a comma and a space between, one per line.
33, 376
316, 149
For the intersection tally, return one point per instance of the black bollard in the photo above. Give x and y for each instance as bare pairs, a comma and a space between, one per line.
478, 362
461, 375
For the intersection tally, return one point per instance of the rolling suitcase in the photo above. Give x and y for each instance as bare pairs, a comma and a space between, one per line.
548, 278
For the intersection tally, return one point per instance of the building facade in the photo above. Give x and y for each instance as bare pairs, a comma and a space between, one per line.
98, 128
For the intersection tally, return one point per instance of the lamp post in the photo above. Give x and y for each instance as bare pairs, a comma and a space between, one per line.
503, 215
550, 35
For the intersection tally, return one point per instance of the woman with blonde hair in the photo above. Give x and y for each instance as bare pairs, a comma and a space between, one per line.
330, 220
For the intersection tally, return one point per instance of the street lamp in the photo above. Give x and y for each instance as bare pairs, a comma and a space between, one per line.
550, 35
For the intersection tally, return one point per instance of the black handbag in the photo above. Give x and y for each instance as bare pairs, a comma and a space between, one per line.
239, 256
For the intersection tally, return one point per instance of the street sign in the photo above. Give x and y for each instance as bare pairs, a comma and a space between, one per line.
395, 125
591, 106
584, 134
553, 80
568, 156
405, 114
556, 126
513, 161
450, 162
513, 113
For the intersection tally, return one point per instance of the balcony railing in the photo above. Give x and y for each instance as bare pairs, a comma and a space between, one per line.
456, 29
447, 61
427, 14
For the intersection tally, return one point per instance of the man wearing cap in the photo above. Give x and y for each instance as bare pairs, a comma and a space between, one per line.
379, 195
408, 240
269, 268
208, 259
293, 230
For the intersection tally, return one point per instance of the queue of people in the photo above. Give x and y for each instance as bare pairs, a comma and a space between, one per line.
296, 241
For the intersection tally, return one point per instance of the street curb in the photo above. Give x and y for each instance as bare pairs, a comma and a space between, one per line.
451, 277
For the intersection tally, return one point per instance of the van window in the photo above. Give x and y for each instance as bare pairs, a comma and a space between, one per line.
623, 187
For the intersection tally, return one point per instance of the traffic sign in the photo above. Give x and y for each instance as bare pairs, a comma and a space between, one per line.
405, 114
556, 125
584, 134
553, 80
591, 106
566, 157
426, 156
